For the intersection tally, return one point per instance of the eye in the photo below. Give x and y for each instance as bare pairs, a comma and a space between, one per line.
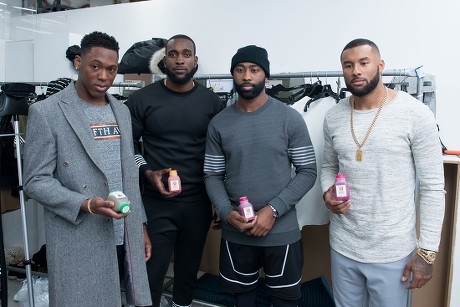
255, 70
238, 70
187, 55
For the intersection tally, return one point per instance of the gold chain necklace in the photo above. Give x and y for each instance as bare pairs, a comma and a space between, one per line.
359, 152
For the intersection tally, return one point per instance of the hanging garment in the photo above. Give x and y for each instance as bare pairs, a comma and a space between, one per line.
13, 101
311, 209
136, 59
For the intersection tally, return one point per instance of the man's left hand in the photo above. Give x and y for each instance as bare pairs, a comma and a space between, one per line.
421, 272
264, 223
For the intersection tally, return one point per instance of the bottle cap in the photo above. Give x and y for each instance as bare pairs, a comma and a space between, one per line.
118, 194
172, 172
340, 176
125, 208
243, 199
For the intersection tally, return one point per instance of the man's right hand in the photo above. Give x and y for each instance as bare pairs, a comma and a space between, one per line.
154, 178
238, 221
335, 206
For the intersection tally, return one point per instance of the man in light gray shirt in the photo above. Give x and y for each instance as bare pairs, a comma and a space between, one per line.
380, 139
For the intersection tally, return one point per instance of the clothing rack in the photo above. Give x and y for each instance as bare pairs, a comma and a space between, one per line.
404, 72
314, 74
139, 84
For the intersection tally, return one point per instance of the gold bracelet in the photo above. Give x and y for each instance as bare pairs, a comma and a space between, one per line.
427, 255
89, 206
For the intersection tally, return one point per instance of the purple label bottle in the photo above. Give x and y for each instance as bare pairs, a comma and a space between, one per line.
246, 209
342, 191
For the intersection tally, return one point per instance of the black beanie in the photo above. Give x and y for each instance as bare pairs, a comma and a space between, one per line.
252, 54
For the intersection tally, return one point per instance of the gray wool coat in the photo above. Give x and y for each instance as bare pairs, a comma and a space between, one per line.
61, 170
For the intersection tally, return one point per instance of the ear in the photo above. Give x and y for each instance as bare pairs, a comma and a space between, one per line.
196, 61
77, 62
381, 65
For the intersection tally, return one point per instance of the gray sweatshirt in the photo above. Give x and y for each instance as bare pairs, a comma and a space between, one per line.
251, 154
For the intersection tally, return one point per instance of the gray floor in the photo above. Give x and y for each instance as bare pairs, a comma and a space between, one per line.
14, 286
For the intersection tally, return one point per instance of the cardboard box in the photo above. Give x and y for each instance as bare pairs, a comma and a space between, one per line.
7, 201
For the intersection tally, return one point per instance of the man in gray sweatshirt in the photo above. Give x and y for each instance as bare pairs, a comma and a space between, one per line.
250, 149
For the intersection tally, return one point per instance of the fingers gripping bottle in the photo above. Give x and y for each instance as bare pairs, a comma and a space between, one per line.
246, 209
342, 190
121, 202
174, 184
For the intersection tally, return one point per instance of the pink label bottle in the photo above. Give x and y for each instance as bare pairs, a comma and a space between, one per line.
174, 184
342, 191
245, 208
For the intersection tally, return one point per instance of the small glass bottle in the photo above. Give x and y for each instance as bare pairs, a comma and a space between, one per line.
121, 202
174, 184
246, 209
342, 190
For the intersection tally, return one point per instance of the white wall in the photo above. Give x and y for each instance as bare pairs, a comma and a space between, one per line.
299, 35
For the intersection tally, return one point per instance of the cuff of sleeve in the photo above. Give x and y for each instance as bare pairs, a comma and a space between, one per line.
279, 206
143, 168
223, 213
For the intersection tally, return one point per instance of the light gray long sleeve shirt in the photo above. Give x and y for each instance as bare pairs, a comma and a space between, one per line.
404, 144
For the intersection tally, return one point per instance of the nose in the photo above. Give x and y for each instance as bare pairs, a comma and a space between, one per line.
247, 74
103, 74
356, 71
180, 58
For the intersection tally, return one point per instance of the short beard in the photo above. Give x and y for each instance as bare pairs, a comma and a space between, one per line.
182, 80
256, 90
367, 88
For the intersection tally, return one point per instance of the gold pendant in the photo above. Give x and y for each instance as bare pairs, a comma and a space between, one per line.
359, 155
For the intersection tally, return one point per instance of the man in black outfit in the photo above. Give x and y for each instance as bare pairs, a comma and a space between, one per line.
171, 116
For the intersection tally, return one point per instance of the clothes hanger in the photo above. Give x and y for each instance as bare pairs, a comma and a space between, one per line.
325, 92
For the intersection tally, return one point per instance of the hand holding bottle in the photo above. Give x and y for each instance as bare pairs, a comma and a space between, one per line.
155, 180
337, 197
98, 205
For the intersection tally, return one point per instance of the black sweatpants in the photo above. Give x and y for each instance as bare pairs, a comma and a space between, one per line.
180, 228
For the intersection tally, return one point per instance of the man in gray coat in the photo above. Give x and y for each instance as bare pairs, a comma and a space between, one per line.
79, 148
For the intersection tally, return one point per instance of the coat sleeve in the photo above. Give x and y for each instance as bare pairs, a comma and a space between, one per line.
40, 183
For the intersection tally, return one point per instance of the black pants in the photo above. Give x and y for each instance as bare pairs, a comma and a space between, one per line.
180, 228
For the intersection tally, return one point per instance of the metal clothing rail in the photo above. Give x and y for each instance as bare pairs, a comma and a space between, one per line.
313, 74
404, 72
139, 84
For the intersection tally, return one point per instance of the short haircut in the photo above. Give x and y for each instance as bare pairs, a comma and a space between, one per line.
360, 42
183, 36
98, 39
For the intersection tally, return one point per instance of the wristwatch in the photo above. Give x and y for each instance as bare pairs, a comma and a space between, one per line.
275, 213
427, 255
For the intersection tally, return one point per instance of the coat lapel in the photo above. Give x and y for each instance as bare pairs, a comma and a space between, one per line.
77, 120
